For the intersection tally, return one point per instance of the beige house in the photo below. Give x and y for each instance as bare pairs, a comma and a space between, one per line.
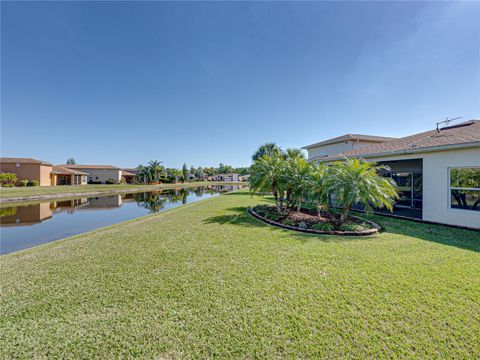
27, 169
437, 171
98, 174
62, 176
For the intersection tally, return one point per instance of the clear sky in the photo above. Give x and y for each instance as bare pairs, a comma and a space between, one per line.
125, 82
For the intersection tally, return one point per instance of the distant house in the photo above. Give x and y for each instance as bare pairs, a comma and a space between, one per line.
232, 177
244, 178
27, 169
128, 177
98, 174
63, 176
437, 172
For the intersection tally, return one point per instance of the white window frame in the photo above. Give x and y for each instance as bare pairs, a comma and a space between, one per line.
450, 188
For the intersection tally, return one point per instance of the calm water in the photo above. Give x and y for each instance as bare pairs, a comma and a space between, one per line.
22, 227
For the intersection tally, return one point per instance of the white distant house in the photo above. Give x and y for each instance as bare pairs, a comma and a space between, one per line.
437, 171
244, 178
98, 174
232, 177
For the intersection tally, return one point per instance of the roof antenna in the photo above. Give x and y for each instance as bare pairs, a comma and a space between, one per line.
446, 122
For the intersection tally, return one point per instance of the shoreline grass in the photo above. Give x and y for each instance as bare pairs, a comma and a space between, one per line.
209, 280
18, 193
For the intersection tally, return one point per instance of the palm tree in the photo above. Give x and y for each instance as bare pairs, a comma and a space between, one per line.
156, 171
268, 174
266, 149
296, 176
313, 186
357, 181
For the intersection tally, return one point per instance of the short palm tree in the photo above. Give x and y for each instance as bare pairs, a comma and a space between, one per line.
268, 175
357, 181
297, 170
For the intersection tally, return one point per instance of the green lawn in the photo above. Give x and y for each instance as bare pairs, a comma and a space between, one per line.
52, 190
208, 280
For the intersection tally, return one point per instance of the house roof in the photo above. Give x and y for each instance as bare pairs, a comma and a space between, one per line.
106, 167
466, 133
60, 170
350, 137
127, 173
8, 160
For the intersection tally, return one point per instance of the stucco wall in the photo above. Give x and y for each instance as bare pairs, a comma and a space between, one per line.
38, 172
102, 175
436, 189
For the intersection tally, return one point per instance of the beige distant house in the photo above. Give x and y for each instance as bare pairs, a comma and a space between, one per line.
128, 176
63, 176
27, 169
98, 174
437, 172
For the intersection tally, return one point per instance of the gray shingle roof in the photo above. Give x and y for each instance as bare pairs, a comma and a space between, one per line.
463, 133
350, 137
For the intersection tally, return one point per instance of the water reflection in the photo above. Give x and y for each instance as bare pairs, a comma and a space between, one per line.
26, 226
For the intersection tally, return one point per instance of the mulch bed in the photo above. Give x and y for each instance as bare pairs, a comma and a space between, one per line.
308, 221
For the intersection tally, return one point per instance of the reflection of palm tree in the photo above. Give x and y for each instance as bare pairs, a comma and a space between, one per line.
153, 201
184, 195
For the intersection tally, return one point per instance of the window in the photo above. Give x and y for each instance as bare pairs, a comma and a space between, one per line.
465, 188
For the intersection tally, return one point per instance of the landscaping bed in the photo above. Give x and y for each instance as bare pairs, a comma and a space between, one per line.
309, 221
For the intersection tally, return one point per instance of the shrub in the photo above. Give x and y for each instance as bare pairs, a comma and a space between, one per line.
110, 181
289, 222
302, 225
8, 179
33, 183
9, 211
353, 227
323, 227
24, 182
270, 216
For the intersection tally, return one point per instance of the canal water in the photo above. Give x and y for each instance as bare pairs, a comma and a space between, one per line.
22, 227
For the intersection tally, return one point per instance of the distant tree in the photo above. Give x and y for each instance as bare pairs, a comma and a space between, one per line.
242, 170
156, 171
199, 173
266, 149
210, 171
224, 169
71, 161
185, 172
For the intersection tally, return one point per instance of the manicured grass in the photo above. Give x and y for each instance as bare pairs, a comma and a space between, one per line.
208, 280
51, 190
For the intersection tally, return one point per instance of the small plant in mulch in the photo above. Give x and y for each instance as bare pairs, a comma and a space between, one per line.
310, 219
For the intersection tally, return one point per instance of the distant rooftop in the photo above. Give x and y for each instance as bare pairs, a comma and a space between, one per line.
350, 137
8, 160
106, 167
61, 170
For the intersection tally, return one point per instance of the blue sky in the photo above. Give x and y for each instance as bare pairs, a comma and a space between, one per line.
126, 82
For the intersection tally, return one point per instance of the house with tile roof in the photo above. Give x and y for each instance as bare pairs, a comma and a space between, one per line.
27, 169
437, 172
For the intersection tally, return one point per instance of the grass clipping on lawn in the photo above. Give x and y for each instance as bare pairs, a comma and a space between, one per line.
209, 280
